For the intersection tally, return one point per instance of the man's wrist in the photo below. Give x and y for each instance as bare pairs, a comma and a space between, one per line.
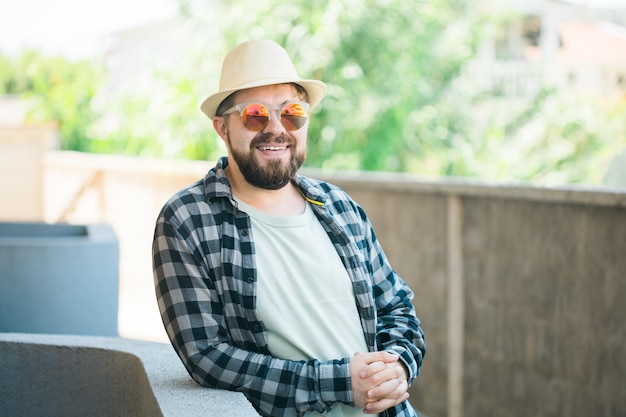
405, 368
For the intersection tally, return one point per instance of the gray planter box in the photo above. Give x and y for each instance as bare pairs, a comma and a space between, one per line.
58, 279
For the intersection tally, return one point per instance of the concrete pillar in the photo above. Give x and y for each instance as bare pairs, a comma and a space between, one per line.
21, 188
456, 309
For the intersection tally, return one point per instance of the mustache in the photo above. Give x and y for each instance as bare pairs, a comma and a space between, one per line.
262, 138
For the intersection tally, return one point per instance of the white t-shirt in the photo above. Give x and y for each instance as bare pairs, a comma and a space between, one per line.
304, 294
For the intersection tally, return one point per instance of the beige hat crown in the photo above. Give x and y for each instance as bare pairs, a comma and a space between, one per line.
257, 63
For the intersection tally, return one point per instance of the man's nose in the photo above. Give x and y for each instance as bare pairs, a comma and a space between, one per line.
274, 125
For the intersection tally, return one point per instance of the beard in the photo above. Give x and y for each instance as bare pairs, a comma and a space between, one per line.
274, 174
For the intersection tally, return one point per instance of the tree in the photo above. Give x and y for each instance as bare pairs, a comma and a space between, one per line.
58, 90
399, 99
384, 61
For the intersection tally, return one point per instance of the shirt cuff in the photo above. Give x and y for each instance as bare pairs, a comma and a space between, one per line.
407, 361
335, 383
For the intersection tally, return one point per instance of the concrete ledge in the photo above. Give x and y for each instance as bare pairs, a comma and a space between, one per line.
51, 375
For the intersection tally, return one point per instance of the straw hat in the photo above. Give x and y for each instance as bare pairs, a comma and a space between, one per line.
257, 63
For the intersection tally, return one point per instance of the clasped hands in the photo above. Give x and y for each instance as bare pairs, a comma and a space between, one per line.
379, 381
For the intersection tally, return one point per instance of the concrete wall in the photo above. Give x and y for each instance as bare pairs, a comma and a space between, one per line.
519, 292
544, 324
21, 168
126, 193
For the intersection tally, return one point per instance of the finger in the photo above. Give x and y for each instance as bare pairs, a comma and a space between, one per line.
373, 368
392, 389
371, 358
400, 367
383, 355
384, 404
360, 386
377, 375
389, 357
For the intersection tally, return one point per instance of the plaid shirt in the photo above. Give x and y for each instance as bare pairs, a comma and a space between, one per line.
205, 278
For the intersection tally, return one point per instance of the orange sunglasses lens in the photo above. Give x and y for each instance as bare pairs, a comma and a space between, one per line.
293, 116
256, 116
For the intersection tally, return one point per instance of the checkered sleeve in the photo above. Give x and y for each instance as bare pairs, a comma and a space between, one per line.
211, 338
397, 327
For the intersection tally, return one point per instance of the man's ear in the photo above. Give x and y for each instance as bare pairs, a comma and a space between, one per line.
219, 124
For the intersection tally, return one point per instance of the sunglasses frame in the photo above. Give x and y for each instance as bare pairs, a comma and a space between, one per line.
240, 107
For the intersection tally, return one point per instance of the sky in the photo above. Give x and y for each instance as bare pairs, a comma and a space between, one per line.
72, 27
599, 3
76, 28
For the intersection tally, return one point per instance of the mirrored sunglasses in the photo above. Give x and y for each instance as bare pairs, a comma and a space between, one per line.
256, 116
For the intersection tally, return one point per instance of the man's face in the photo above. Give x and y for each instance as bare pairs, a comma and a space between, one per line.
270, 158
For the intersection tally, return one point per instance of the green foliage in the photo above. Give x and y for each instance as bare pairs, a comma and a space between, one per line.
57, 90
382, 60
162, 122
553, 137
399, 99
572, 140
400, 96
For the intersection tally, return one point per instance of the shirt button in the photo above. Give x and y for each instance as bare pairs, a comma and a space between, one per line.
256, 328
250, 280
244, 232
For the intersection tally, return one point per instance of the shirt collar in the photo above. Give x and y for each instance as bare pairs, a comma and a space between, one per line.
216, 185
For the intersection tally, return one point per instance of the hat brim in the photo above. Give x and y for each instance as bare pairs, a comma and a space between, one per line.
315, 89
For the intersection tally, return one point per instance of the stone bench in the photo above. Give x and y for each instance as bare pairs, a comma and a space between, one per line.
53, 375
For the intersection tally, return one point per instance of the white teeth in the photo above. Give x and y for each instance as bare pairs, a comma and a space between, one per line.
271, 148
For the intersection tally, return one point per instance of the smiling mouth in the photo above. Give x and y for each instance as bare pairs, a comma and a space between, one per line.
271, 148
